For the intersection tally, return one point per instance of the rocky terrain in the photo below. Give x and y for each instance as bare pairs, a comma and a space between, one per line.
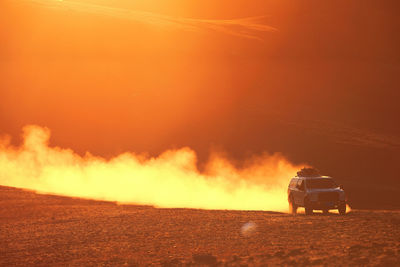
46, 230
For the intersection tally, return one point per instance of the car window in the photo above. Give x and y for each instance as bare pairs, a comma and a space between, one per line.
300, 185
324, 183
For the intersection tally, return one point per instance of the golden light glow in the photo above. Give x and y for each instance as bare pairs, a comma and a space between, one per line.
169, 180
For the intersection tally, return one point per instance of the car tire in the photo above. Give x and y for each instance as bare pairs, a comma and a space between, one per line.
292, 206
309, 211
307, 207
342, 209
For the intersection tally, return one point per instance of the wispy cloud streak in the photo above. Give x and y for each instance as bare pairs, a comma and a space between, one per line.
244, 27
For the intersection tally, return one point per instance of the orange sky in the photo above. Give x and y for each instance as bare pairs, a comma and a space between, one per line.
192, 73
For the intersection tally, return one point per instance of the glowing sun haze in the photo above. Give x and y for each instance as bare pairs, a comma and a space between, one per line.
168, 180
152, 86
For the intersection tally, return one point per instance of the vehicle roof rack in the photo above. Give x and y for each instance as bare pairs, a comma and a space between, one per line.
308, 172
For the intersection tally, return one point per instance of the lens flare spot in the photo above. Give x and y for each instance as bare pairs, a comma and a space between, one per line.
248, 229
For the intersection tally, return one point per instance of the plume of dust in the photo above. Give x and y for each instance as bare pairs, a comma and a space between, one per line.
168, 180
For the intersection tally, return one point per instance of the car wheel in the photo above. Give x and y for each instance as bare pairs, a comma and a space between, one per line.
307, 207
342, 209
292, 206
309, 210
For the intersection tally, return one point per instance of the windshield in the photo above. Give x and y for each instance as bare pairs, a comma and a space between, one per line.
320, 183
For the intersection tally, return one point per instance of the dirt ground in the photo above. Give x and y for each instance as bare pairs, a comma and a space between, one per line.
58, 231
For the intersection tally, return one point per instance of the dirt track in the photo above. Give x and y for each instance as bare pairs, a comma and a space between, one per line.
56, 231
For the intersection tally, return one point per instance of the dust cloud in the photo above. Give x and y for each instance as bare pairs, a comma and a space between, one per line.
170, 180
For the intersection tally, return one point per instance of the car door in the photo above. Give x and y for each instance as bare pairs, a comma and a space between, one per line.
299, 192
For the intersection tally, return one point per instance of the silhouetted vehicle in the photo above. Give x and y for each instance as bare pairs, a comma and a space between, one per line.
315, 192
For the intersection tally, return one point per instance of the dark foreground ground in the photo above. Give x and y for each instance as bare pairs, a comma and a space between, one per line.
59, 231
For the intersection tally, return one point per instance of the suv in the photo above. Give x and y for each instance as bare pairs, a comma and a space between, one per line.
315, 192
